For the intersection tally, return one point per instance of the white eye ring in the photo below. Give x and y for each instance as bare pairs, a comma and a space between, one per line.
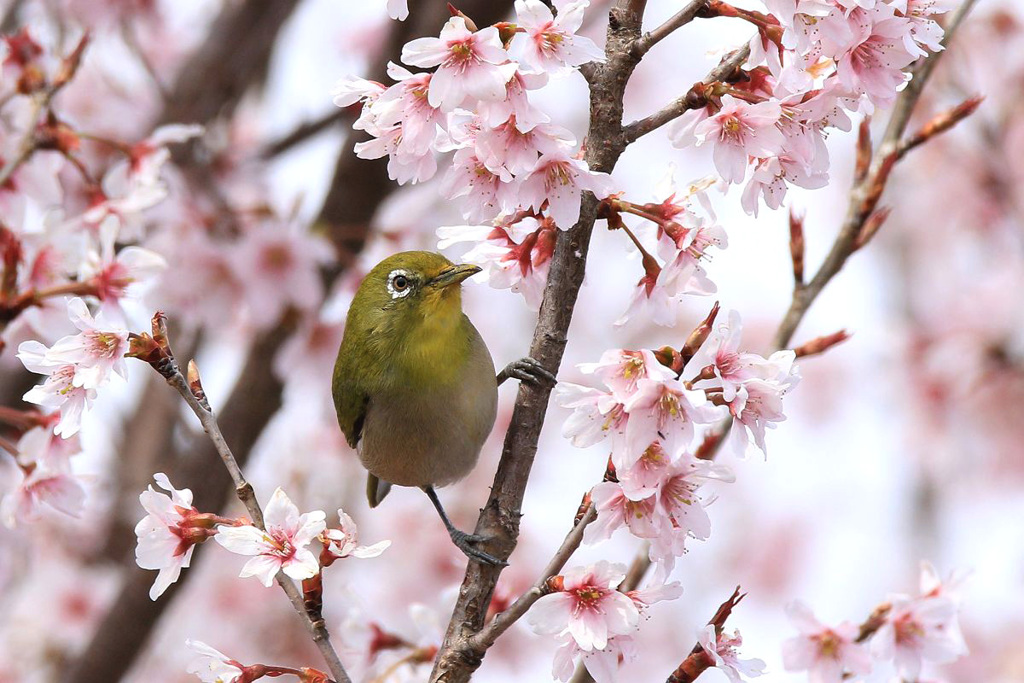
399, 283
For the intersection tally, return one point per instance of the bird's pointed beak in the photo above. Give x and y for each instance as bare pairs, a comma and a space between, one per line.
454, 275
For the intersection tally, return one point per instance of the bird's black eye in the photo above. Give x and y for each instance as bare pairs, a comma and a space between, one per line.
400, 283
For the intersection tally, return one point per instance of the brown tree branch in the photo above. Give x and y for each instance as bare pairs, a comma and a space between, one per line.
168, 367
684, 16
499, 519
725, 70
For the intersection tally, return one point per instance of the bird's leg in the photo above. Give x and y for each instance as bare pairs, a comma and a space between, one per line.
526, 370
461, 539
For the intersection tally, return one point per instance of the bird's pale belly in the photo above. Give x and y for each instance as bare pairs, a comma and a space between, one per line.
431, 439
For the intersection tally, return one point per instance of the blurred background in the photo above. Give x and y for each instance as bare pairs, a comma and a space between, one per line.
901, 445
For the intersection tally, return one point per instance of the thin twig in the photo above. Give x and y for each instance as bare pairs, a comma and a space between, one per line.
684, 16
245, 493
865, 195
733, 61
502, 621
303, 132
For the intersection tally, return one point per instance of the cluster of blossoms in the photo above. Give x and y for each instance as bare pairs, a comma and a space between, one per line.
511, 164
168, 534
904, 630
654, 414
815, 60
594, 620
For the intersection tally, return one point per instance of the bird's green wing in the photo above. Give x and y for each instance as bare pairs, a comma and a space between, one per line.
350, 401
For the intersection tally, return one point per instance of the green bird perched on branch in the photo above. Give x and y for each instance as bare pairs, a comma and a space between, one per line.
414, 383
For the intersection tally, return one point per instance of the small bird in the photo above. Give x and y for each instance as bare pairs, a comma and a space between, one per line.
414, 384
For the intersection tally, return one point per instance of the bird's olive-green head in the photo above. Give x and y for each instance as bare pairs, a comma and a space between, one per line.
405, 328
411, 285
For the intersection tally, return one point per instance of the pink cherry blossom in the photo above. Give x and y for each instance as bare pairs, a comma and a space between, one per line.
148, 157
621, 369
406, 103
469, 65
615, 510
168, 534
96, 352
45, 478
587, 607
212, 666
643, 477
279, 266
596, 415
825, 653
58, 391
282, 547
872, 61
343, 541
720, 352
351, 89
665, 409
922, 629
483, 193
127, 274
603, 665
550, 43
924, 32
723, 650
682, 507
757, 407
738, 131
516, 102
559, 180
514, 256
514, 147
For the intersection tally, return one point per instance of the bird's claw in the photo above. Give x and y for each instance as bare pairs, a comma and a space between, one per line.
464, 542
527, 370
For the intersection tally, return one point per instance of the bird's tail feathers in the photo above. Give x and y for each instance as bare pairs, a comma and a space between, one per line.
376, 489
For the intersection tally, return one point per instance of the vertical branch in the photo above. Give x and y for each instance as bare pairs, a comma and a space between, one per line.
499, 519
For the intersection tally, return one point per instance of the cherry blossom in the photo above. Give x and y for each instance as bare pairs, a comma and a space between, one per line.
212, 666
872, 61
469, 64
587, 607
739, 130
96, 352
558, 180
343, 541
665, 409
621, 369
127, 274
282, 547
603, 664
550, 43
514, 256
58, 391
918, 630
280, 269
615, 510
825, 653
683, 509
484, 193
44, 478
168, 534
596, 415
723, 650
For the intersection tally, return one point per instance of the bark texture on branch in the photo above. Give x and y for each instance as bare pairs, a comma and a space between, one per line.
499, 520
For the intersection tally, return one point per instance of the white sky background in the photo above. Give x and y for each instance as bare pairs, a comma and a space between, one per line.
828, 517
